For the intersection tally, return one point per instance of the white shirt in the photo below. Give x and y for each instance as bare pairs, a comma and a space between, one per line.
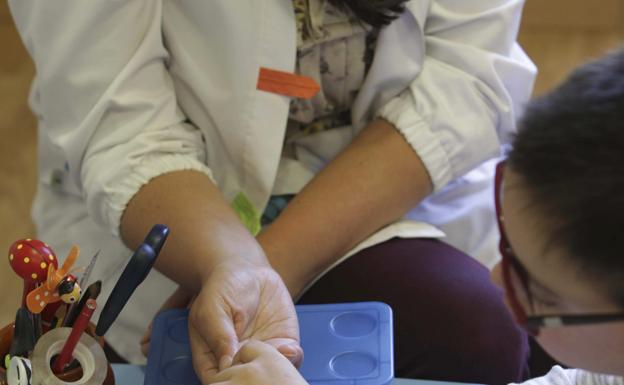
128, 90
560, 376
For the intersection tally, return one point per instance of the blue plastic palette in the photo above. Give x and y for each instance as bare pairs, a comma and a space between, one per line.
344, 344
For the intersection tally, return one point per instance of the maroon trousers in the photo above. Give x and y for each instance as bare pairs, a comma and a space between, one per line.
450, 322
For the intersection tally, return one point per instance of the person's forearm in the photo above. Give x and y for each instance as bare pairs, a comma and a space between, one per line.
204, 229
373, 182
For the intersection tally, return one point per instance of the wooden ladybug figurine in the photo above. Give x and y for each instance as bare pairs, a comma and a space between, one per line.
30, 259
69, 290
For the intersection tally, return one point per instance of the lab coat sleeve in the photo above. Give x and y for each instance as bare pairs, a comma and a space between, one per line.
560, 376
105, 99
473, 84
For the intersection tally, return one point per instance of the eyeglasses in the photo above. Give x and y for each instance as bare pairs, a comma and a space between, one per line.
512, 266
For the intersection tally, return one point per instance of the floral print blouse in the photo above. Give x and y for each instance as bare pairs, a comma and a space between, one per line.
335, 49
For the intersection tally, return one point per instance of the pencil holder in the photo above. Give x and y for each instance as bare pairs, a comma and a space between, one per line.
70, 376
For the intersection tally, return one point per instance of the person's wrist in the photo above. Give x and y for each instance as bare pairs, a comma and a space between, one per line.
232, 263
294, 275
239, 248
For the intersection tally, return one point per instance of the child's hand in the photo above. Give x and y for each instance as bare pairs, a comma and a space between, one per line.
259, 363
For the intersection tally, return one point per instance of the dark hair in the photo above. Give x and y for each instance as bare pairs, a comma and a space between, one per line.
570, 153
377, 13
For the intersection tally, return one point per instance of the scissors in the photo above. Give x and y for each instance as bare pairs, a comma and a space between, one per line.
84, 280
135, 272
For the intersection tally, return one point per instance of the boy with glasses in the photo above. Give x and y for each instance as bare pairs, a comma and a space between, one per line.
560, 207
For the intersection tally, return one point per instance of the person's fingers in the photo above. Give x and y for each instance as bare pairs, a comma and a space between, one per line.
253, 350
148, 335
227, 375
145, 340
289, 348
204, 361
216, 327
293, 352
145, 348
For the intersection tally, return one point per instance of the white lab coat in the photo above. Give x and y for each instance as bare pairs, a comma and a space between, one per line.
128, 90
559, 376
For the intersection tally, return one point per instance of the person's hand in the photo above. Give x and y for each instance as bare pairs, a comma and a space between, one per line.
260, 364
238, 302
